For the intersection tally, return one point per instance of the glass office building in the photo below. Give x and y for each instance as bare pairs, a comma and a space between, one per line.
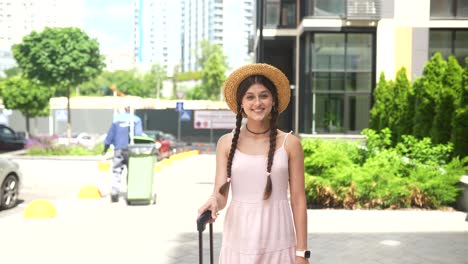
333, 52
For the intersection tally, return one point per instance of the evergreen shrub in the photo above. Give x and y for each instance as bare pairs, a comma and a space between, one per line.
351, 175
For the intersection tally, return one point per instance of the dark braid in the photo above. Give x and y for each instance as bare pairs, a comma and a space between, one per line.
224, 188
271, 152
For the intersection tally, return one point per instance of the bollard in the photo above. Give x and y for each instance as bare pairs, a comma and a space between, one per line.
89, 192
39, 208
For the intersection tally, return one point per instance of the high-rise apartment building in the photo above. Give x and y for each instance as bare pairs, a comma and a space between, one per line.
238, 32
169, 32
227, 23
199, 20
20, 17
157, 33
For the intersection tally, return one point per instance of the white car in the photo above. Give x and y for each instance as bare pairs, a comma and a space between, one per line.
10, 182
83, 139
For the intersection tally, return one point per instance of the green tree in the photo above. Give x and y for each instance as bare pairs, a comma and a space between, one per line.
194, 94
426, 94
460, 117
206, 49
445, 107
14, 71
29, 97
403, 111
127, 81
153, 80
175, 77
98, 86
130, 83
213, 70
61, 58
382, 102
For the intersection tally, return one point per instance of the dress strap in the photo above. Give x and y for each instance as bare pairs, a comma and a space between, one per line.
286, 137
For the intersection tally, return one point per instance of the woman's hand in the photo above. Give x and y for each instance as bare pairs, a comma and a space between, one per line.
301, 260
210, 204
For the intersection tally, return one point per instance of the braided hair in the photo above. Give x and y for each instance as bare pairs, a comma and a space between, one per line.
243, 87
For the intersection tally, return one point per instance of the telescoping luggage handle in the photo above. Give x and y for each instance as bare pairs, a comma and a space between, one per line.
202, 220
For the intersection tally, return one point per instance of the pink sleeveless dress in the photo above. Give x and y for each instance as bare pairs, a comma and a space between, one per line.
258, 231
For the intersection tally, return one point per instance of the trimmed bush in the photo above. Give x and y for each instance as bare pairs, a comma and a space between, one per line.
415, 173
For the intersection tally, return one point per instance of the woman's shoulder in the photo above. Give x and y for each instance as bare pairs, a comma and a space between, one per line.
291, 141
283, 134
225, 140
225, 137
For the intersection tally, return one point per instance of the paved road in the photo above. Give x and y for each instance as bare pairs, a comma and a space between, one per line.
96, 231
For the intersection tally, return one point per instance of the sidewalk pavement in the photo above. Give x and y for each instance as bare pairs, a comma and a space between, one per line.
96, 231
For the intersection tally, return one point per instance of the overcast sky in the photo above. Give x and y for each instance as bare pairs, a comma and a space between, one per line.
111, 22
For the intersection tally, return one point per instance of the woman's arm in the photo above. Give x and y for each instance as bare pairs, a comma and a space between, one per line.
217, 201
222, 152
297, 189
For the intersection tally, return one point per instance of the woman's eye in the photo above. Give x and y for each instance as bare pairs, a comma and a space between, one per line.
264, 96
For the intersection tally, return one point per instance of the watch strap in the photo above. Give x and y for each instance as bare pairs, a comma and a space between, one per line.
303, 253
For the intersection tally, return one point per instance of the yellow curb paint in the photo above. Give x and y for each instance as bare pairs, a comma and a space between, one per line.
166, 162
89, 192
158, 167
39, 209
103, 165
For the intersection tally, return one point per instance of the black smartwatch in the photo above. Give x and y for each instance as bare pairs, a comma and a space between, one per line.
303, 253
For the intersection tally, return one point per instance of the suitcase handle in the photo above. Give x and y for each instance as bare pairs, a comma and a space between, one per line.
202, 220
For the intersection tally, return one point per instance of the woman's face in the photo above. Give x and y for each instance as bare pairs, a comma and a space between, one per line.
257, 102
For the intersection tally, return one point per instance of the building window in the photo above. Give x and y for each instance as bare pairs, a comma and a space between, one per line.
449, 9
449, 42
338, 79
280, 13
325, 8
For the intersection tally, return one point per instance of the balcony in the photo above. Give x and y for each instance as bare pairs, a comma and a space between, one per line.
343, 9
363, 9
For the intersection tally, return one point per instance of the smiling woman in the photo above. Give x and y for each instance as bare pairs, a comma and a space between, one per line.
260, 164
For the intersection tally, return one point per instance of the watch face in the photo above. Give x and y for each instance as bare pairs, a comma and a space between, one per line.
307, 254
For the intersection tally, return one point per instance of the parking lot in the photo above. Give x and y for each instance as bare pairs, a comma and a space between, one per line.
96, 231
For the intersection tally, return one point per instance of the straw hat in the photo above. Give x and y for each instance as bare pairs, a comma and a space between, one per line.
280, 81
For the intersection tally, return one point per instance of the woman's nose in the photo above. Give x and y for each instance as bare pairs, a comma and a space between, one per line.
257, 101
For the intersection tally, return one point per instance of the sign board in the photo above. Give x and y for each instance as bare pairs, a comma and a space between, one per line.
179, 106
214, 119
185, 116
61, 115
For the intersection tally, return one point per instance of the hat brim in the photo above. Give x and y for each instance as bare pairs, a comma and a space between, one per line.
281, 82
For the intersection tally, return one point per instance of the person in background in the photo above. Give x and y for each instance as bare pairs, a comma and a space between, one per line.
119, 136
260, 165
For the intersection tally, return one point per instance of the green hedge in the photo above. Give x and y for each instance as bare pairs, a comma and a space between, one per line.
62, 150
351, 175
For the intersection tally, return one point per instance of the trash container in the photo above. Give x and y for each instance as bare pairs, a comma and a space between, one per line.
140, 181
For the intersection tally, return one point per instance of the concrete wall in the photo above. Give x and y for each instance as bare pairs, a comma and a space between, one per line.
97, 122
403, 38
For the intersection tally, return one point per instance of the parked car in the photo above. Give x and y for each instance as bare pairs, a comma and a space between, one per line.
83, 139
10, 182
10, 139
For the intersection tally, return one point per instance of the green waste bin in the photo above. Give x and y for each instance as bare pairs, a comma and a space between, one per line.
140, 181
